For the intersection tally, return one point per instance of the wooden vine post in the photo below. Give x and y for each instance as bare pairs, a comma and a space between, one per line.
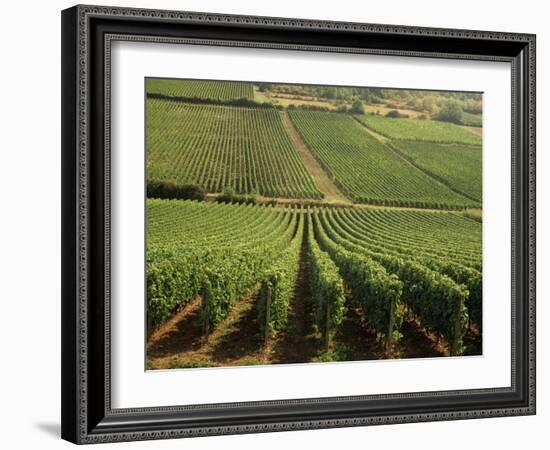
267, 292
205, 300
456, 337
149, 324
390, 330
327, 327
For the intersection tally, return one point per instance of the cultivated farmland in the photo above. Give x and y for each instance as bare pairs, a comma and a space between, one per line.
219, 147
218, 250
395, 265
295, 223
206, 90
420, 130
365, 168
458, 166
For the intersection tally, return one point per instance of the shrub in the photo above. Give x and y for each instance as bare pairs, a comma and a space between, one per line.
429, 104
169, 189
339, 353
451, 111
229, 196
264, 87
396, 114
473, 106
242, 101
342, 109
357, 107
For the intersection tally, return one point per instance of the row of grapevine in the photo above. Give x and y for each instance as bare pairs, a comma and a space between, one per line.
222, 270
377, 291
366, 169
328, 288
434, 298
237, 273
436, 255
213, 90
279, 282
220, 147
371, 228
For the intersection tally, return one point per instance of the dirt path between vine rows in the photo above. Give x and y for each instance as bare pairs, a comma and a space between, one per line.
233, 342
320, 177
299, 343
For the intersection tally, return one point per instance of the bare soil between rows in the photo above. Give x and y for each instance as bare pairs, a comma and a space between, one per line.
331, 192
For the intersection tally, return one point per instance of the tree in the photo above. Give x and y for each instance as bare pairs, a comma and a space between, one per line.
366, 95
264, 87
357, 107
342, 109
394, 114
473, 106
428, 104
329, 93
451, 111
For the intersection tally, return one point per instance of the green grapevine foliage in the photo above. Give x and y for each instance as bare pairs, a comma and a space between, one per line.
212, 90
327, 285
420, 130
368, 170
220, 147
281, 278
458, 166
377, 291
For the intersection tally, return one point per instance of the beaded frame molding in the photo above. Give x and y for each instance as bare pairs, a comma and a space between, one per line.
87, 35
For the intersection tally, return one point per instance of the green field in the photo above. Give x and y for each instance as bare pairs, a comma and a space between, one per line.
473, 120
226, 90
458, 166
219, 147
366, 169
420, 130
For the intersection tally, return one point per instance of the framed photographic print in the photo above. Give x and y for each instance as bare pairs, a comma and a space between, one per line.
280, 224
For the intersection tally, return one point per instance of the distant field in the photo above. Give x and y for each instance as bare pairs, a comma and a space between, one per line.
476, 130
458, 165
365, 168
382, 109
220, 90
216, 147
420, 130
473, 120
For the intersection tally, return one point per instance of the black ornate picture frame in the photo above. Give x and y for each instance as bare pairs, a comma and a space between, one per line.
87, 35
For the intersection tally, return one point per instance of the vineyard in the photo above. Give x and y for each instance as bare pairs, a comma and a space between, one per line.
215, 250
219, 147
456, 165
292, 224
226, 90
366, 169
251, 148
420, 130
393, 266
